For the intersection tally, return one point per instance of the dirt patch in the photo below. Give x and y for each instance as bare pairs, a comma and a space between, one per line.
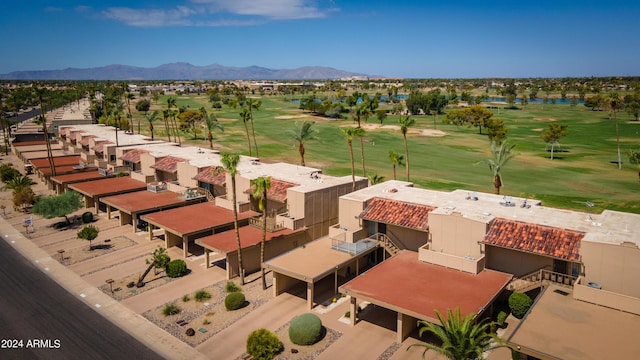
288, 117
433, 133
537, 129
78, 254
545, 119
121, 289
209, 317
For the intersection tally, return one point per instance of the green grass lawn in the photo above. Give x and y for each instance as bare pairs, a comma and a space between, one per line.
584, 168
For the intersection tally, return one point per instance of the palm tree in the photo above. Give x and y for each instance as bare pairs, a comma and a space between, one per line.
230, 164
114, 115
165, 116
244, 116
396, 159
302, 133
150, 118
128, 96
41, 93
405, 123
361, 111
614, 104
174, 123
251, 104
501, 155
18, 183
375, 179
212, 123
349, 133
461, 339
359, 132
262, 186
634, 158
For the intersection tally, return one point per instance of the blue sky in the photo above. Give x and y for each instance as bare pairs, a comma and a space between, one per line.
413, 39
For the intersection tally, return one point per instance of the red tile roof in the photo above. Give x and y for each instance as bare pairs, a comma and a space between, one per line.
168, 164
99, 147
133, 156
538, 239
395, 212
277, 191
209, 176
249, 236
85, 139
57, 161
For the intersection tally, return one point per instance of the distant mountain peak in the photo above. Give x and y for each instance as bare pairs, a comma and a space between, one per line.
182, 71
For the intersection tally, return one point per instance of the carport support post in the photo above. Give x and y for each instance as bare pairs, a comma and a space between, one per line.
134, 221
206, 258
185, 246
310, 295
406, 324
353, 311
96, 204
108, 212
150, 232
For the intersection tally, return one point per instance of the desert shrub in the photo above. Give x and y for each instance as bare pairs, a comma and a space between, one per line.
305, 329
519, 303
206, 322
8, 172
262, 344
176, 268
186, 298
87, 217
202, 295
347, 314
232, 287
170, 309
234, 301
500, 319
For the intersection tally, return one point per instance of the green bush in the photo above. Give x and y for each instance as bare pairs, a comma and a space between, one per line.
202, 295
305, 329
87, 217
186, 298
232, 287
170, 309
262, 344
176, 268
234, 301
8, 172
500, 319
519, 303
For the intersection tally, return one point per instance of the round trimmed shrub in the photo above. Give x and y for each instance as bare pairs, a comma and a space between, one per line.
176, 268
519, 303
262, 344
234, 301
305, 329
87, 217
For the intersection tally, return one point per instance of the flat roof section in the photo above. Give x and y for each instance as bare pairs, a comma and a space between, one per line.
57, 161
78, 177
407, 285
194, 218
558, 326
141, 201
310, 262
110, 186
225, 242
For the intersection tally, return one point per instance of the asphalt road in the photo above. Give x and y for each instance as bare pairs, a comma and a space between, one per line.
34, 307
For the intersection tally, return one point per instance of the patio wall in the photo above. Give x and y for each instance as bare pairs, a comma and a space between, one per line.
515, 262
456, 235
605, 298
614, 266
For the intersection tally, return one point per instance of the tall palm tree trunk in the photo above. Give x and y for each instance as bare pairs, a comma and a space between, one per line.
353, 169
236, 226
264, 239
406, 155
364, 172
394, 171
301, 151
497, 183
246, 130
615, 118
46, 137
253, 131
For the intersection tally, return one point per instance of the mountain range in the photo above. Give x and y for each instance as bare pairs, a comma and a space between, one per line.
182, 71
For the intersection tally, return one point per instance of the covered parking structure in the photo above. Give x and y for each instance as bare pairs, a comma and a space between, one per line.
134, 204
414, 289
183, 224
318, 260
276, 243
59, 183
93, 191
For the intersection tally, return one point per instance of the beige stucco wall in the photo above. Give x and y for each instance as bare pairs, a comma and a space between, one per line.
408, 239
614, 267
185, 174
146, 160
515, 262
349, 211
456, 235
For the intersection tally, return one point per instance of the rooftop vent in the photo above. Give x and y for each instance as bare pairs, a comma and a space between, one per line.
486, 213
394, 190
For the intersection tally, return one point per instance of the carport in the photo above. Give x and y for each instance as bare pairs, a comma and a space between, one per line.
132, 205
276, 243
315, 261
93, 191
182, 224
61, 182
414, 289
